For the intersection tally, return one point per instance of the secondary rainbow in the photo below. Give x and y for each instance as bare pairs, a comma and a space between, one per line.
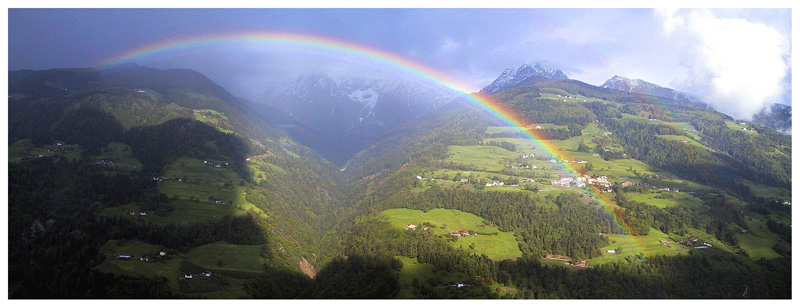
341, 47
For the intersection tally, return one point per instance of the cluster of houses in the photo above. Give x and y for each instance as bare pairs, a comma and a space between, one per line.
105, 162
457, 285
647, 185
162, 178
570, 97
496, 183
191, 276
578, 265
696, 243
691, 130
524, 166
462, 232
144, 258
138, 90
414, 227
530, 156
141, 213
581, 181
214, 164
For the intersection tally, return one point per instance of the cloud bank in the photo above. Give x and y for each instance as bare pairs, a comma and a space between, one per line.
739, 66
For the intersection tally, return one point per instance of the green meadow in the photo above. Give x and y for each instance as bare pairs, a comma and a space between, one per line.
183, 211
423, 273
485, 157
655, 243
122, 155
224, 256
232, 265
689, 140
426, 273
776, 192
490, 241
759, 240
209, 181
21, 149
739, 127
213, 118
679, 199
193, 197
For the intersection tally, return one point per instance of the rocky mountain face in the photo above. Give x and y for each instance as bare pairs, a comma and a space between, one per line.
526, 74
340, 116
638, 86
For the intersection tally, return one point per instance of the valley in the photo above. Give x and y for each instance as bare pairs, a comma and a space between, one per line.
616, 195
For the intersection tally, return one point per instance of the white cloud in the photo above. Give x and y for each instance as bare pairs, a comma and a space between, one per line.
448, 46
740, 66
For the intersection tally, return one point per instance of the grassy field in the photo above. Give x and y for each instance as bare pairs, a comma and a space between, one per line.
759, 240
192, 199
238, 264
559, 94
688, 140
682, 126
679, 199
167, 267
426, 273
184, 211
776, 192
645, 246
503, 245
213, 118
210, 181
224, 256
485, 157
122, 155
736, 126
21, 149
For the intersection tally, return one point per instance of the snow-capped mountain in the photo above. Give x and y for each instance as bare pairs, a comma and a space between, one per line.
332, 107
525, 74
639, 86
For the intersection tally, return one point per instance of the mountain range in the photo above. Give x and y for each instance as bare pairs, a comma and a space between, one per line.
339, 116
639, 86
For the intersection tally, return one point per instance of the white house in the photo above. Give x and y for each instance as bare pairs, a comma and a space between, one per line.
188, 276
412, 226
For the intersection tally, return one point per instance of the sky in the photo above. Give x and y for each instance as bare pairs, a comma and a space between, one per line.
737, 60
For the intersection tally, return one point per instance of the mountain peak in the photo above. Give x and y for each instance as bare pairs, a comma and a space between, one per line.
526, 73
639, 86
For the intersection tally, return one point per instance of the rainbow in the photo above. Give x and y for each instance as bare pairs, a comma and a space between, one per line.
383, 58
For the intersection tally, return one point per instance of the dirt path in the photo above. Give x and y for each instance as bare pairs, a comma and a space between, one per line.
307, 268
